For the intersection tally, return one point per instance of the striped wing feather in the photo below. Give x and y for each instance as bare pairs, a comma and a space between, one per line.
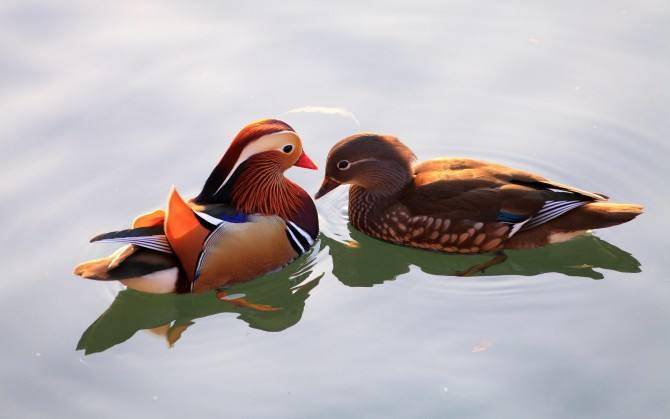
147, 237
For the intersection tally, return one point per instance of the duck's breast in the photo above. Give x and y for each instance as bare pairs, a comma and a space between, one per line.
237, 252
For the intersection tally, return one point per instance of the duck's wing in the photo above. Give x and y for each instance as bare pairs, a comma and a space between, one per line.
207, 246
215, 251
148, 230
152, 238
147, 248
149, 219
461, 168
474, 191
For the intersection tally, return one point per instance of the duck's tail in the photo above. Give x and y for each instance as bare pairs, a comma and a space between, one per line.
599, 214
607, 214
138, 268
93, 269
100, 268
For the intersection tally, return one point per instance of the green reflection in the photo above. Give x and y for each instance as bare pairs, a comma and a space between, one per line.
276, 301
369, 261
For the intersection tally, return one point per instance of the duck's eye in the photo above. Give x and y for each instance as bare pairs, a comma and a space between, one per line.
287, 148
343, 164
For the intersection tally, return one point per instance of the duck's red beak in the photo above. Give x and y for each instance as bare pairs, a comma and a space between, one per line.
306, 162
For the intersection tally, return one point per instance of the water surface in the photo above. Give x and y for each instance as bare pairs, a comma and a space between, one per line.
105, 107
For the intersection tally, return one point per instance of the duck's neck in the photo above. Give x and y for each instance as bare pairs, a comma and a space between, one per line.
261, 188
368, 204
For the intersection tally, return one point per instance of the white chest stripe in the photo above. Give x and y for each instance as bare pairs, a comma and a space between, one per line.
302, 232
295, 241
210, 219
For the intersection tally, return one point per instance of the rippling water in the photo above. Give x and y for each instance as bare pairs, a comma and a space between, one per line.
103, 108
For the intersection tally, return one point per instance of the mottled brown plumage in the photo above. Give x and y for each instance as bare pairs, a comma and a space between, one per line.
459, 205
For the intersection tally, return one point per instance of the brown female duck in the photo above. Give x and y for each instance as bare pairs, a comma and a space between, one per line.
459, 205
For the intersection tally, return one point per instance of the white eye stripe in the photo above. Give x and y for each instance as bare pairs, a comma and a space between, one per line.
351, 163
251, 149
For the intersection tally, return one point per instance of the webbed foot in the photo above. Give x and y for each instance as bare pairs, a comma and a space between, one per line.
500, 257
240, 301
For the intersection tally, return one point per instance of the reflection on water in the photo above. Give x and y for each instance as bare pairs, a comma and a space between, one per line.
272, 303
105, 107
276, 302
368, 261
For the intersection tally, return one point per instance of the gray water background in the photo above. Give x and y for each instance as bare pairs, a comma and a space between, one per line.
104, 106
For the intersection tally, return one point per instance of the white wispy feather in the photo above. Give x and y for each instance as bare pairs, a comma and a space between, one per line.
326, 110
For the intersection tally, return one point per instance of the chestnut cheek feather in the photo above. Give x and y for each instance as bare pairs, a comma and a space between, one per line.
262, 188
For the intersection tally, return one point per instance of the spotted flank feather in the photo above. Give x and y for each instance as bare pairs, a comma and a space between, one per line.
147, 237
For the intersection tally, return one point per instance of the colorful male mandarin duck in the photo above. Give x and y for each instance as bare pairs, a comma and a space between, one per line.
459, 205
247, 221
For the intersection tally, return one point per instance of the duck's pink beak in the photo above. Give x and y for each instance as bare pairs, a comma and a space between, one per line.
306, 162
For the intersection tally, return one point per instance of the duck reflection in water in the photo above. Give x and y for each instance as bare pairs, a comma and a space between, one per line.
276, 301
270, 303
362, 261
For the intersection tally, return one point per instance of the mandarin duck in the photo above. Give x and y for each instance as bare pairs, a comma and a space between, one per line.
248, 220
459, 205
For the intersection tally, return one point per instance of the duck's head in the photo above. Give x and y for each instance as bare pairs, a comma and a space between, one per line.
269, 142
378, 163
